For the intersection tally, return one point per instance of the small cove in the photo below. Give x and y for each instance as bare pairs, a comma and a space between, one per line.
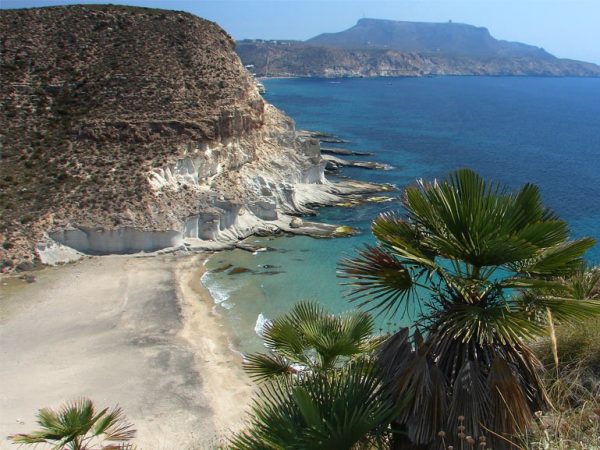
512, 130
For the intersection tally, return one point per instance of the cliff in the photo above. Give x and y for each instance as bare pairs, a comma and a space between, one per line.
376, 47
128, 129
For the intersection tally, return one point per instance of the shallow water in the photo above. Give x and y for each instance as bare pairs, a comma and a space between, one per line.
512, 130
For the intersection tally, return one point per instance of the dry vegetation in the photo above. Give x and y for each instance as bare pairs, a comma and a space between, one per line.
92, 97
574, 389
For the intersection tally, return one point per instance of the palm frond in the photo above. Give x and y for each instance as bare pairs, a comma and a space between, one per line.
312, 338
560, 260
114, 426
285, 338
334, 410
380, 280
510, 410
488, 325
76, 422
404, 238
562, 309
470, 398
262, 367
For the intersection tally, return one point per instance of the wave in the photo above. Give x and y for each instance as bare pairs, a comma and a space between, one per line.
219, 293
261, 322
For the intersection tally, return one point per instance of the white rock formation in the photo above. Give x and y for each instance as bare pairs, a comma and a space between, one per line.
247, 185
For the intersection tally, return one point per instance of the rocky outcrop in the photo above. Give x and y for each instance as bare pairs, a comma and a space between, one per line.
386, 48
132, 129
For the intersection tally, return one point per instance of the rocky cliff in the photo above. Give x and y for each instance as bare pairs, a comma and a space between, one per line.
128, 129
376, 47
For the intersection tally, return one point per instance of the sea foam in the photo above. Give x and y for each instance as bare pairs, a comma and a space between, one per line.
218, 292
261, 323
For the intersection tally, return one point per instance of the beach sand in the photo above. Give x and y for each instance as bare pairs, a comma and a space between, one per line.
139, 332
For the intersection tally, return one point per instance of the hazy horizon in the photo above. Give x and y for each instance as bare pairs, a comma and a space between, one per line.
565, 28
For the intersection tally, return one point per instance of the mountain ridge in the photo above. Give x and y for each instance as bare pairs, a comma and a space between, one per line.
425, 37
379, 47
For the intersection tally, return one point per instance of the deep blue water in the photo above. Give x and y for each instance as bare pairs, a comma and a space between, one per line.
512, 130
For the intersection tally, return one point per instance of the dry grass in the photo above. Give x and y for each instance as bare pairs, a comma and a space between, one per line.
573, 388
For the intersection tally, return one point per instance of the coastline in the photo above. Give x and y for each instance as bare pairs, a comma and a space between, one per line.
135, 331
226, 385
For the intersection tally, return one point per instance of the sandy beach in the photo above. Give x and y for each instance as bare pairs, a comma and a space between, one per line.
135, 331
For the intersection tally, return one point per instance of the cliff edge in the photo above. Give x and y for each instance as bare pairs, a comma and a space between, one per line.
132, 129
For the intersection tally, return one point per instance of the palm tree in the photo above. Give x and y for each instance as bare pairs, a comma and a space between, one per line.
310, 338
334, 410
459, 261
77, 426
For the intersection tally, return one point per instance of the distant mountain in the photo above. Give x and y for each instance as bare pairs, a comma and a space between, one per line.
375, 47
427, 38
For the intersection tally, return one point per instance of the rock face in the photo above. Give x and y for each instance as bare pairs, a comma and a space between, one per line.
376, 47
128, 129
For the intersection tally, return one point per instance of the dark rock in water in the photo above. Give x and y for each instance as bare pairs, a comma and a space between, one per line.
323, 137
344, 151
336, 151
334, 162
334, 140
238, 270
23, 266
271, 272
331, 166
28, 278
222, 268
265, 233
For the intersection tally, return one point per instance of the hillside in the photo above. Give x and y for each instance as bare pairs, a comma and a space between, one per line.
427, 38
127, 129
375, 47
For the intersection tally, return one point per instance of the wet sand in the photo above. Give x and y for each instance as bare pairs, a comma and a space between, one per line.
135, 331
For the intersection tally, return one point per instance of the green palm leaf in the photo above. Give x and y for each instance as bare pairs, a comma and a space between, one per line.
379, 275
310, 338
77, 423
262, 367
559, 260
488, 325
562, 309
332, 410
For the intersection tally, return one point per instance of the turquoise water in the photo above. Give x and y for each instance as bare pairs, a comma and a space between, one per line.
512, 130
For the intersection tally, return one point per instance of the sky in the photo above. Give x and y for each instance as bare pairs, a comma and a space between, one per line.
565, 28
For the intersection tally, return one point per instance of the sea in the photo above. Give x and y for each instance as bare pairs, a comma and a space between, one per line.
509, 129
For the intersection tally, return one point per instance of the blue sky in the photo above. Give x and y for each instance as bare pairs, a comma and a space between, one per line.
566, 28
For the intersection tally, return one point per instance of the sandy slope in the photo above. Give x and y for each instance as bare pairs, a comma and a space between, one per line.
139, 332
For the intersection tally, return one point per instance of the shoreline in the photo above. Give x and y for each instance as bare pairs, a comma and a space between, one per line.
135, 331
226, 385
